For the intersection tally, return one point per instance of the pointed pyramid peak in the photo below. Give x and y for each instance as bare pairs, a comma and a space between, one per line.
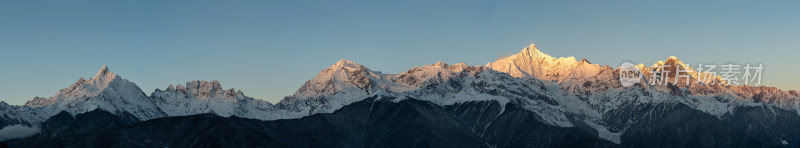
532, 45
103, 72
532, 49
104, 69
533, 52
532, 62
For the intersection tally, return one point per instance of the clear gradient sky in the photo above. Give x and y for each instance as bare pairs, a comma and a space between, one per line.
268, 49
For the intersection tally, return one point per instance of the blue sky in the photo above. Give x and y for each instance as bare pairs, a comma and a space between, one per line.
268, 49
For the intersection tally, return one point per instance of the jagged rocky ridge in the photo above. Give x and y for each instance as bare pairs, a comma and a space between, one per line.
199, 97
560, 92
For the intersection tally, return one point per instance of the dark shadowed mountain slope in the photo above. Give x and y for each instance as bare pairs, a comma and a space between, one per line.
367, 123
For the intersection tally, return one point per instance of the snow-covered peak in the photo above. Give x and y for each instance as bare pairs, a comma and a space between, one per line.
344, 76
82, 88
341, 84
104, 74
590, 78
586, 69
347, 64
437, 72
535, 52
203, 90
199, 97
675, 65
103, 70
673, 68
531, 62
338, 86
106, 90
441, 65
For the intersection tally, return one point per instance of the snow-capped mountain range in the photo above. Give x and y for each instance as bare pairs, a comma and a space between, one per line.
106, 91
563, 92
199, 97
